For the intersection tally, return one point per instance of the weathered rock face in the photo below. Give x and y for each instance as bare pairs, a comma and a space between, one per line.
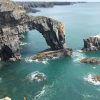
14, 22
92, 43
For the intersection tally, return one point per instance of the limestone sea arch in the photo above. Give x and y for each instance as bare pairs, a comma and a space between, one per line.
14, 22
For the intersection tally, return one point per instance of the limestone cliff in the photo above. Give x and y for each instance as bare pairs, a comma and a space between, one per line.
14, 22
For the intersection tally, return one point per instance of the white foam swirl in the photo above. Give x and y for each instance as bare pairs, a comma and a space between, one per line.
36, 76
78, 55
90, 79
40, 93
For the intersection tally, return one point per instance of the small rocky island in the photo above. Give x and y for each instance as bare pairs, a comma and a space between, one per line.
14, 22
92, 43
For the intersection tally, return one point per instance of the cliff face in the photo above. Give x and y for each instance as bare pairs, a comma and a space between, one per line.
14, 22
92, 43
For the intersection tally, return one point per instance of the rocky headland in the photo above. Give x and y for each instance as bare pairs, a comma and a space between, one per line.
31, 6
92, 43
14, 22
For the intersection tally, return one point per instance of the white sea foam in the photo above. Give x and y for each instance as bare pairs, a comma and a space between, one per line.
45, 62
36, 76
90, 79
78, 55
46, 90
55, 58
0, 79
79, 51
23, 43
87, 95
29, 60
94, 67
40, 93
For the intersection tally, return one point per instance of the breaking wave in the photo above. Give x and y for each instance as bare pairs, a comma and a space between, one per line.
90, 79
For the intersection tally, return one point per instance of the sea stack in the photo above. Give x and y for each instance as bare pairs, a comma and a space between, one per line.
92, 43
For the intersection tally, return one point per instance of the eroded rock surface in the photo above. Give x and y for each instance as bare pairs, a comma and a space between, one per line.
14, 22
92, 43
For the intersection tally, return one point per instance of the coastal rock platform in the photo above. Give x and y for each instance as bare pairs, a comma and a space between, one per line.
49, 54
91, 60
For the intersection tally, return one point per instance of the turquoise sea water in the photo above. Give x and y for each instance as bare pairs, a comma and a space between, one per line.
67, 78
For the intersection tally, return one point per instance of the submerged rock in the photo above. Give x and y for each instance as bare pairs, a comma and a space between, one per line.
92, 43
36, 76
90, 60
51, 54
